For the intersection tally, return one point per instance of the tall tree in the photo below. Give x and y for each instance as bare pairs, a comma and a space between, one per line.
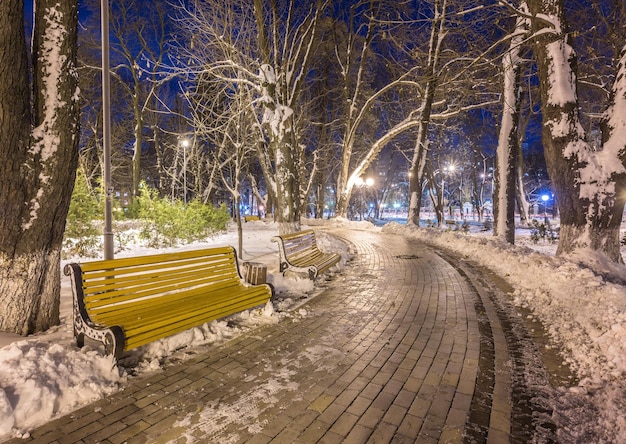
139, 47
286, 44
508, 142
589, 182
266, 47
461, 38
39, 124
418, 162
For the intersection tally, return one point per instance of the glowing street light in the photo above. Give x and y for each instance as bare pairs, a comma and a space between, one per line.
360, 183
545, 198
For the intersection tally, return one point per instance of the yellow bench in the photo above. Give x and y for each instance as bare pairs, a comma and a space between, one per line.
249, 218
128, 302
299, 252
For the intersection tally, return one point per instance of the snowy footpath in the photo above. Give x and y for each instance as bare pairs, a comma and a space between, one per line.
45, 376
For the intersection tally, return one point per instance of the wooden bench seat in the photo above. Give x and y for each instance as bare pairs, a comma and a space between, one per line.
299, 252
129, 302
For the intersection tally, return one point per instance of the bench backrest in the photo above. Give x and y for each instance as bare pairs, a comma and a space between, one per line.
299, 244
113, 282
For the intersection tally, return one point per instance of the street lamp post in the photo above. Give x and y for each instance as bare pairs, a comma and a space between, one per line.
185, 144
106, 133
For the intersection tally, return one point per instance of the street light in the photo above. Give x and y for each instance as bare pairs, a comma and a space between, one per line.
360, 183
545, 198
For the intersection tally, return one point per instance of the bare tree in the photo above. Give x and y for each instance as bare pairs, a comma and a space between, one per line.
264, 47
233, 155
508, 142
590, 183
448, 59
139, 48
39, 134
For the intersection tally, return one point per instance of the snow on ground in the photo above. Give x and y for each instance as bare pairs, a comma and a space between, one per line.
45, 376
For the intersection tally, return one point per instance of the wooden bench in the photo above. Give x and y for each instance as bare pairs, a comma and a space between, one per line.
128, 302
248, 218
299, 252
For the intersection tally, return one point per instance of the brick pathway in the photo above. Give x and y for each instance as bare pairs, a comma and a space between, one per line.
390, 351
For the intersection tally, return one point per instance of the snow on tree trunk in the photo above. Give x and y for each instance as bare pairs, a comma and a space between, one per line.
39, 156
419, 162
278, 119
589, 184
504, 202
520, 189
343, 192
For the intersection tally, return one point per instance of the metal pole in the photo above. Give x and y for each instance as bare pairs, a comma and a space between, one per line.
106, 133
185, 143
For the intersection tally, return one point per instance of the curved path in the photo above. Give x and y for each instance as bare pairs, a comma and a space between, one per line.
407, 345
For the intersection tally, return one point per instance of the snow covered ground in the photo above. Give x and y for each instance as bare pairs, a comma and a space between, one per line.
45, 376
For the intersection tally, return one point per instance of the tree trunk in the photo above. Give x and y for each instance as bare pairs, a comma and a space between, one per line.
523, 207
288, 187
421, 146
508, 141
39, 156
589, 184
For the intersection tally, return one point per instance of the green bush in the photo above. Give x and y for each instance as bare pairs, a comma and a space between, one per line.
81, 233
166, 222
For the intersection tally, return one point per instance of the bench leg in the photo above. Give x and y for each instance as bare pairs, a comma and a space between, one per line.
80, 339
112, 338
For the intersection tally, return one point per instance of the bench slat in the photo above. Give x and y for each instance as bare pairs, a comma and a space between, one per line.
153, 259
113, 272
142, 302
151, 287
139, 334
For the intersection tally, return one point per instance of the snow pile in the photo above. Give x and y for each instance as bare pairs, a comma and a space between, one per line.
583, 312
41, 380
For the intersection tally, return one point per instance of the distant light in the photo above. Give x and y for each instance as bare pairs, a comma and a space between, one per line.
545, 197
369, 182
185, 142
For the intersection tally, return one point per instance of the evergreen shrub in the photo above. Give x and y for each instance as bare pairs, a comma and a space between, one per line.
166, 222
81, 236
